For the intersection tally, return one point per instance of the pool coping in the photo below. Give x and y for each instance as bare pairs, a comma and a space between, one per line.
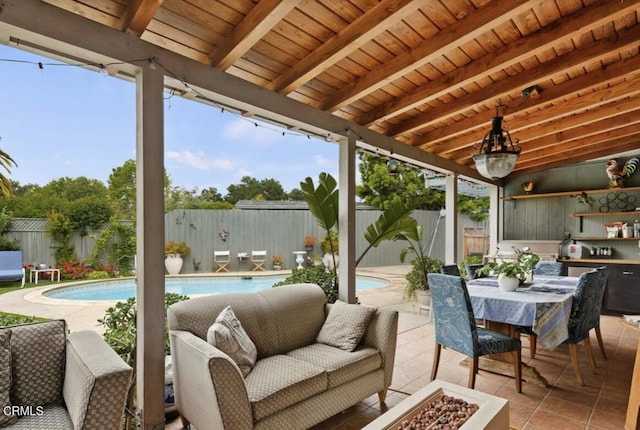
38, 296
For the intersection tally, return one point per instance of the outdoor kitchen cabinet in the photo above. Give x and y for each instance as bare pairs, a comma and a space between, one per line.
622, 294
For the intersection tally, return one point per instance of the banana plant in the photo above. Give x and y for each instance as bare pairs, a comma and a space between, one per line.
323, 204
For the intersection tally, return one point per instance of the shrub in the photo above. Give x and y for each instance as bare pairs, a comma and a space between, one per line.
98, 274
314, 275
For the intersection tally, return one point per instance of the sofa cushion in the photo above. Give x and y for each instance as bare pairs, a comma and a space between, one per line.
279, 381
6, 416
227, 335
38, 360
345, 325
341, 366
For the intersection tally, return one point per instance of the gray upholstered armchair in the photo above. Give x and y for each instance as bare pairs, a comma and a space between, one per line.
49, 380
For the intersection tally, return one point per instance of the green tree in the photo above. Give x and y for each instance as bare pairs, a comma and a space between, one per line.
296, 194
6, 162
254, 189
381, 189
89, 213
211, 194
122, 190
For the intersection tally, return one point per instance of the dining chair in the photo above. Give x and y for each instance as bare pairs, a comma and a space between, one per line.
604, 275
585, 315
472, 270
455, 328
450, 269
548, 268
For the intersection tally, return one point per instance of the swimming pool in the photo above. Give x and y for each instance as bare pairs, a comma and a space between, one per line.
122, 289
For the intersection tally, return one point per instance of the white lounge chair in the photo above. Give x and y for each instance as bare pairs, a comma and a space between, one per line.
258, 259
221, 260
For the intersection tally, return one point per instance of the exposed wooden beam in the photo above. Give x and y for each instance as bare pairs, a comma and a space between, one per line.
581, 155
138, 15
361, 31
462, 31
561, 31
262, 18
460, 146
599, 49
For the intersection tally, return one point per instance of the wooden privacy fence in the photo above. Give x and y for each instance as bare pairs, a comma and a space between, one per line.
278, 231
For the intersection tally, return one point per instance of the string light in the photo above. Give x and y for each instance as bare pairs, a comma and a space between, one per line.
153, 63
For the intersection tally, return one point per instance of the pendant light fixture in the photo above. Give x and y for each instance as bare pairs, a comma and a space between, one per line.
497, 156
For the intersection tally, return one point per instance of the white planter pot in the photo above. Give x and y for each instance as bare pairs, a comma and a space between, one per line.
173, 264
508, 284
423, 297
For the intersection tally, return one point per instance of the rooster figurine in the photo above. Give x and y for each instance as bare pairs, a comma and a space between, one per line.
618, 175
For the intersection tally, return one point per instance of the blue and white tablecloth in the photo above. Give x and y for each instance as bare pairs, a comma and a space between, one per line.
544, 305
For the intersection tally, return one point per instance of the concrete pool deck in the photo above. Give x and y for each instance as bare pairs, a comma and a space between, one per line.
83, 315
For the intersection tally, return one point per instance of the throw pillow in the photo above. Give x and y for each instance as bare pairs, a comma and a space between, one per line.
227, 335
345, 325
6, 417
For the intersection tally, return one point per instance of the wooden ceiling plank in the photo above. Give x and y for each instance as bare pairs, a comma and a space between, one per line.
533, 44
262, 18
564, 107
575, 59
138, 15
465, 30
564, 144
550, 128
457, 134
585, 153
361, 31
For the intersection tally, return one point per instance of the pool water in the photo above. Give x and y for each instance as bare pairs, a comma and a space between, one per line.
113, 290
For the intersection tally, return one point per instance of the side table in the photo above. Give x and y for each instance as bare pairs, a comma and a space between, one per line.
37, 272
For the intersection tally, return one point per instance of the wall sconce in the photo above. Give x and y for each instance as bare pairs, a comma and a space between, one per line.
223, 235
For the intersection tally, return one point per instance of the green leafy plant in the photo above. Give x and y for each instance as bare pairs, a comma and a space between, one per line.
176, 248
510, 269
315, 275
119, 322
60, 229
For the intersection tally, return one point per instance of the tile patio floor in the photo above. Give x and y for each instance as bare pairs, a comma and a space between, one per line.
565, 405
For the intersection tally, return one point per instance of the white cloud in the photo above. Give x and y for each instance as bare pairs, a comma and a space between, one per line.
244, 130
200, 160
321, 161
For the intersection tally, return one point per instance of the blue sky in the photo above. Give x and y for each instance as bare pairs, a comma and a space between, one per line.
67, 121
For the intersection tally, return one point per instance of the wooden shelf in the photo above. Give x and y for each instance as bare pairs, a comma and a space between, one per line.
592, 239
637, 213
568, 193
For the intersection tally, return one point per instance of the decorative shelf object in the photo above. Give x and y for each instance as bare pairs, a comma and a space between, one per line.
568, 193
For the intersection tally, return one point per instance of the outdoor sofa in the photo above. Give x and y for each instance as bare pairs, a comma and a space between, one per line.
54, 381
299, 378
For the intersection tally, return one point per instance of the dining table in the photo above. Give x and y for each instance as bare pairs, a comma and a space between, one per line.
544, 304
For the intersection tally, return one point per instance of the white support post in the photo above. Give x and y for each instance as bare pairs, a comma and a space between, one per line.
495, 224
150, 247
451, 219
346, 219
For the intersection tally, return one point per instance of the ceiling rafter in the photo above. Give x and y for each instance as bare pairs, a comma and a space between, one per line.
262, 18
465, 30
361, 31
563, 64
454, 140
462, 145
138, 15
562, 31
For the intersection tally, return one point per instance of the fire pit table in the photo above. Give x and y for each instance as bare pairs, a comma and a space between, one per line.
492, 412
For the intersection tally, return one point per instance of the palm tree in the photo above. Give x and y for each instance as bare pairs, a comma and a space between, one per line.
6, 162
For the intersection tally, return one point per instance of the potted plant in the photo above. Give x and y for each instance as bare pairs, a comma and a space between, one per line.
309, 242
174, 252
277, 262
510, 274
